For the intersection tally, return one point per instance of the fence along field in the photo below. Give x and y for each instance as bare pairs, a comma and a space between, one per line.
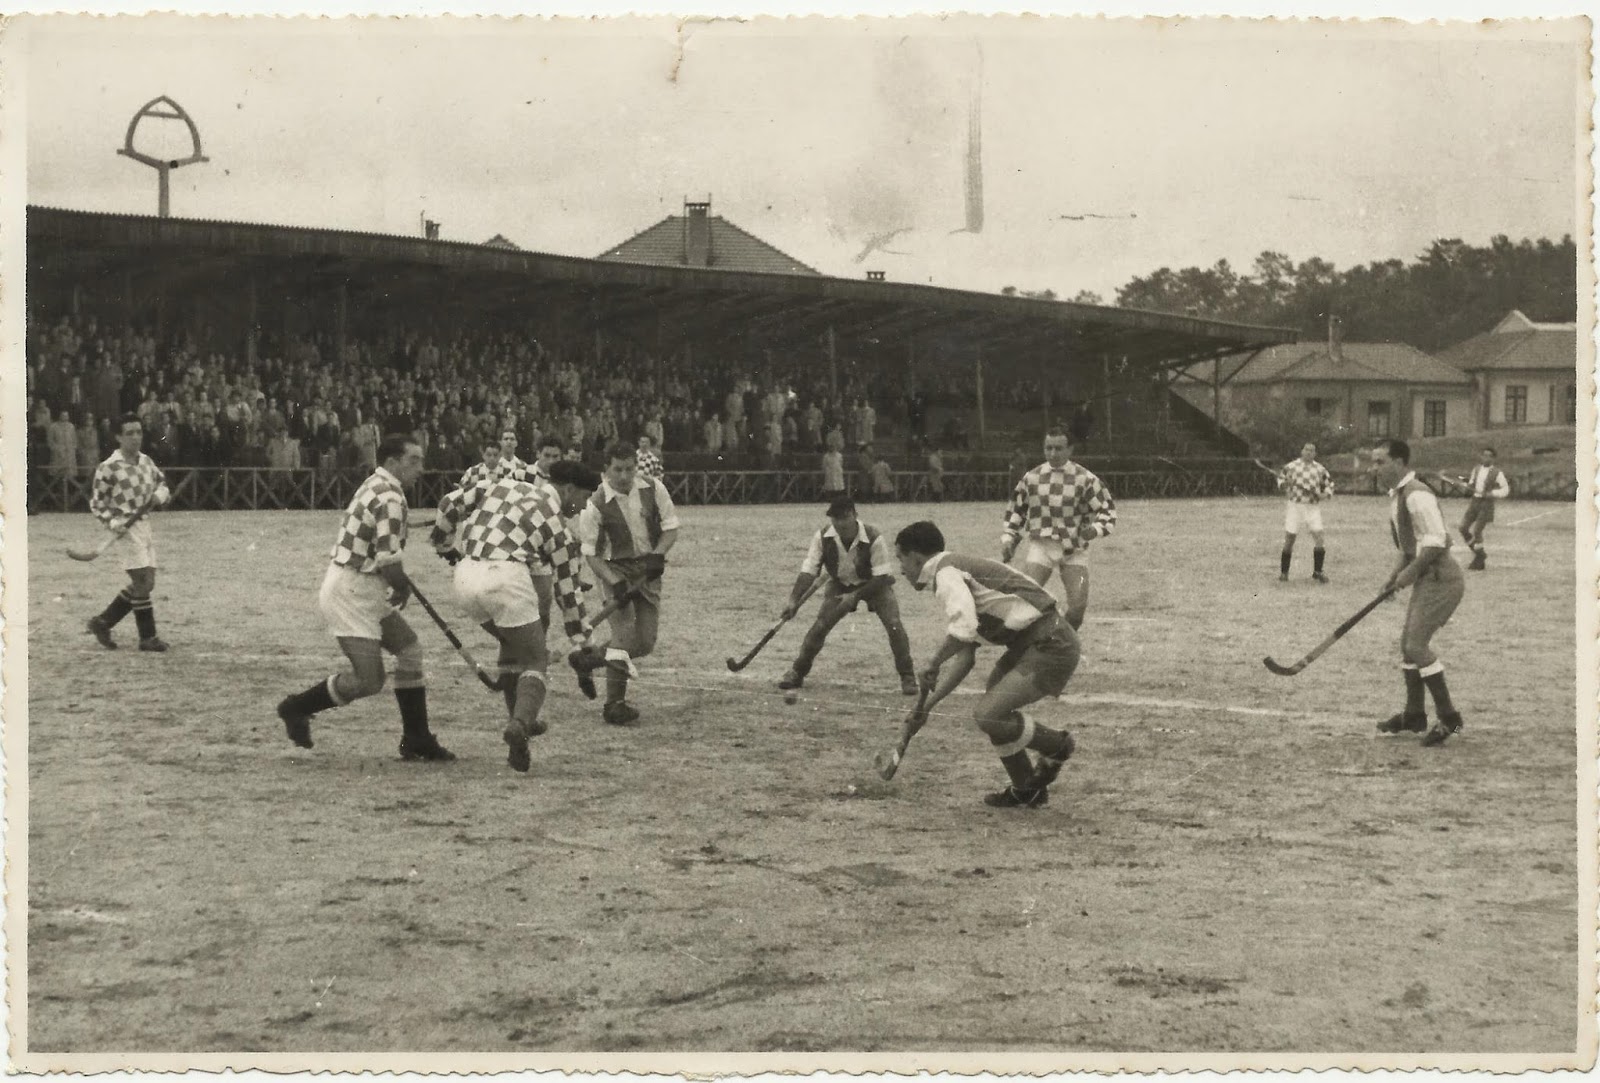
1232, 860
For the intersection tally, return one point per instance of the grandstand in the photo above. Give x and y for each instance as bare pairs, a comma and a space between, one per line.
266, 359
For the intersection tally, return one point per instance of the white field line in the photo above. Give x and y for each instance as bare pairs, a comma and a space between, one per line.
1531, 518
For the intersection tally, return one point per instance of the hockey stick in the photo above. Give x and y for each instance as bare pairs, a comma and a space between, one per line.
87, 555
491, 683
888, 763
736, 664
1267, 468
1316, 652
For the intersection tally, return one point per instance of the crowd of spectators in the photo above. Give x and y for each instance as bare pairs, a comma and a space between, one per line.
305, 401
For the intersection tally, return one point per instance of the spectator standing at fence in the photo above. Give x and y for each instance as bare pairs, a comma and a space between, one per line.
813, 426
362, 593
650, 467
626, 529
63, 439
936, 473
882, 477
127, 483
1056, 510
88, 446
833, 487
1307, 484
1486, 484
366, 438
283, 452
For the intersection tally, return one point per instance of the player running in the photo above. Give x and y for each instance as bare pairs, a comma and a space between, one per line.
362, 593
1486, 484
508, 527
1307, 484
126, 485
1061, 507
986, 600
1437, 585
626, 529
856, 559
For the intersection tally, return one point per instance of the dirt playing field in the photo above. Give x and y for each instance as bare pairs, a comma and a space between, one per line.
1233, 861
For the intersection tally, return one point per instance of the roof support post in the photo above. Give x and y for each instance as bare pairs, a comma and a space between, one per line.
1105, 385
341, 314
1216, 391
833, 363
251, 319
983, 419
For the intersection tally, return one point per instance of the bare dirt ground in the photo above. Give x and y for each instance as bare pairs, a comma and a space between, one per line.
1232, 861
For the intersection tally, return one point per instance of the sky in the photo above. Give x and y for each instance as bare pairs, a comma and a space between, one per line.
1193, 141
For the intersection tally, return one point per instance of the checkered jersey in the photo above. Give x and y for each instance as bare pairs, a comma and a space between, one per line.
518, 521
1068, 504
504, 467
650, 464
1306, 483
373, 533
122, 488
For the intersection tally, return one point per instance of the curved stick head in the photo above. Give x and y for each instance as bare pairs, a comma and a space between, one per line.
733, 665
1281, 670
80, 554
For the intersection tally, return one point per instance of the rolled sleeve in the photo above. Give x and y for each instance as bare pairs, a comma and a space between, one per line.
960, 608
589, 531
812, 564
881, 562
1427, 523
664, 505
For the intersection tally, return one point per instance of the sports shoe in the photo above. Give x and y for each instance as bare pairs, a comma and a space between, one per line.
425, 748
1011, 797
1049, 767
584, 662
619, 713
1480, 561
102, 633
1319, 577
517, 747
1448, 725
1404, 723
154, 643
296, 724
1283, 577
792, 680
908, 684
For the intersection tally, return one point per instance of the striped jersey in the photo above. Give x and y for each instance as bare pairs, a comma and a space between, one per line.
519, 521
850, 565
616, 526
1415, 521
121, 487
984, 599
1068, 504
1488, 481
373, 533
1305, 482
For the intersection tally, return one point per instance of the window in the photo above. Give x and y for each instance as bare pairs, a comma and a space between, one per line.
1377, 419
1517, 403
1433, 417
1563, 403
1572, 404
1314, 407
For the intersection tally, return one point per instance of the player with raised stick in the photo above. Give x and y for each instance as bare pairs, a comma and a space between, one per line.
626, 529
985, 600
1056, 510
507, 526
1307, 483
1486, 484
362, 593
1436, 582
126, 487
856, 559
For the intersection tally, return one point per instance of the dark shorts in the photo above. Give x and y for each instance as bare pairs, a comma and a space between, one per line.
1048, 658
1480, 511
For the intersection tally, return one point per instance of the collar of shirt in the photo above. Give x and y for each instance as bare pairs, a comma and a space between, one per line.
380, 472
829, 532
608, 493
1403, 482
931, 568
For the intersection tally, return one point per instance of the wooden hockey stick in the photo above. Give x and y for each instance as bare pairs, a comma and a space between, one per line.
888, 762
86, 555
736, 664
1316, 652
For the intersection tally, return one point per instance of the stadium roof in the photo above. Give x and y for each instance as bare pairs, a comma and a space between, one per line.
1517, 343
378, 273
666, 244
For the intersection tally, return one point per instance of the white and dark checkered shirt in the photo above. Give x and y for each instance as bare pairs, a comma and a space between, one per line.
121, 488
1305, 482
649, 464
373, 533
520, 521
1069, 505
503, 468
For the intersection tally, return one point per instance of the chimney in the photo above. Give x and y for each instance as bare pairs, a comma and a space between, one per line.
697, 233
1336, 338
874, 276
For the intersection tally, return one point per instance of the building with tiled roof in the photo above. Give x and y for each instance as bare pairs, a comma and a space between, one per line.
698, 238
1523, 372
1375, 389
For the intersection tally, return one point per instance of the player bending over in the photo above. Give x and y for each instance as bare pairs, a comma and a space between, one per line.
626, 529
508, 527
856, 559
124, 485
1060, 507
1427, 568
985, 600
362, 593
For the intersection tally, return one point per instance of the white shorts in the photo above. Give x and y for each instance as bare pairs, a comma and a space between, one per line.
1051, 552
1302, 516
353, 604
138, 546
498, 591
